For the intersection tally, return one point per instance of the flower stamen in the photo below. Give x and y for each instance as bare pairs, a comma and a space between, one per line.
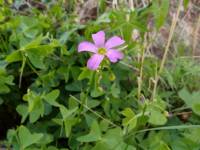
102, 51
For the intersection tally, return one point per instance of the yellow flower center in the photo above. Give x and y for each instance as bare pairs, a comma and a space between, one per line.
102, 51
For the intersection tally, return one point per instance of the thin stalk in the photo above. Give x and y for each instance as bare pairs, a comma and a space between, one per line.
94, 112
180, 109
22, 70
196, 31
141, 74
182, 113
131, 4
33, 69
141, 67
178, 127
115, 4
172, 29
129, 66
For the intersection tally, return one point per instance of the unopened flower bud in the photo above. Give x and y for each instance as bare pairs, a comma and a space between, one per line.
135, 35
167, 114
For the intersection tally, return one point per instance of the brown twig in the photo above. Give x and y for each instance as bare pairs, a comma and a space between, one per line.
172, 29
196, 31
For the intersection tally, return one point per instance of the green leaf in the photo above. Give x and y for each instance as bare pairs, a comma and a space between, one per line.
162, 146
67, 112
5, 80
85, 74
75, 86
68, 123
72, 103
35, 105
14, 57
93, 103
64, 72
23, 111
58, 121
96, 92
186, 96
11, 134
192, 100
157, 118
36, 52
65, 36
36, 56
47, 138
131, 120
4, 89
32, 99
193, 135
34, 43
36, 113
160, 11
113, 140
115, 90
104, 125
26, 138
196, 108
52, 96
68, 119
94, 134
53, 148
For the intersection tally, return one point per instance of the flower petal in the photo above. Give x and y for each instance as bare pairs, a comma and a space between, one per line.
99, 38
94, 61
113, 42
114, 55
87, 46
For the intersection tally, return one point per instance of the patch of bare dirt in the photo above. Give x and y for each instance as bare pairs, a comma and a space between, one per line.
187, 30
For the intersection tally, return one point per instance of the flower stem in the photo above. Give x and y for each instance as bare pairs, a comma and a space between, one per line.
141, 74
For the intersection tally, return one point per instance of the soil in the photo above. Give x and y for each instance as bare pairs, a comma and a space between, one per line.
8, 119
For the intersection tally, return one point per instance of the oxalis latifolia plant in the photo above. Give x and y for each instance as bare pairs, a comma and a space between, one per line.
102, 50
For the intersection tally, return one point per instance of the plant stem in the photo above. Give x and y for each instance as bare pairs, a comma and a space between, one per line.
196, 31
94, 112
22, 70
172, 29
141, 74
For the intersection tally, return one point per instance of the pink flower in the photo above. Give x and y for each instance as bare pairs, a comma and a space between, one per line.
101, 49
